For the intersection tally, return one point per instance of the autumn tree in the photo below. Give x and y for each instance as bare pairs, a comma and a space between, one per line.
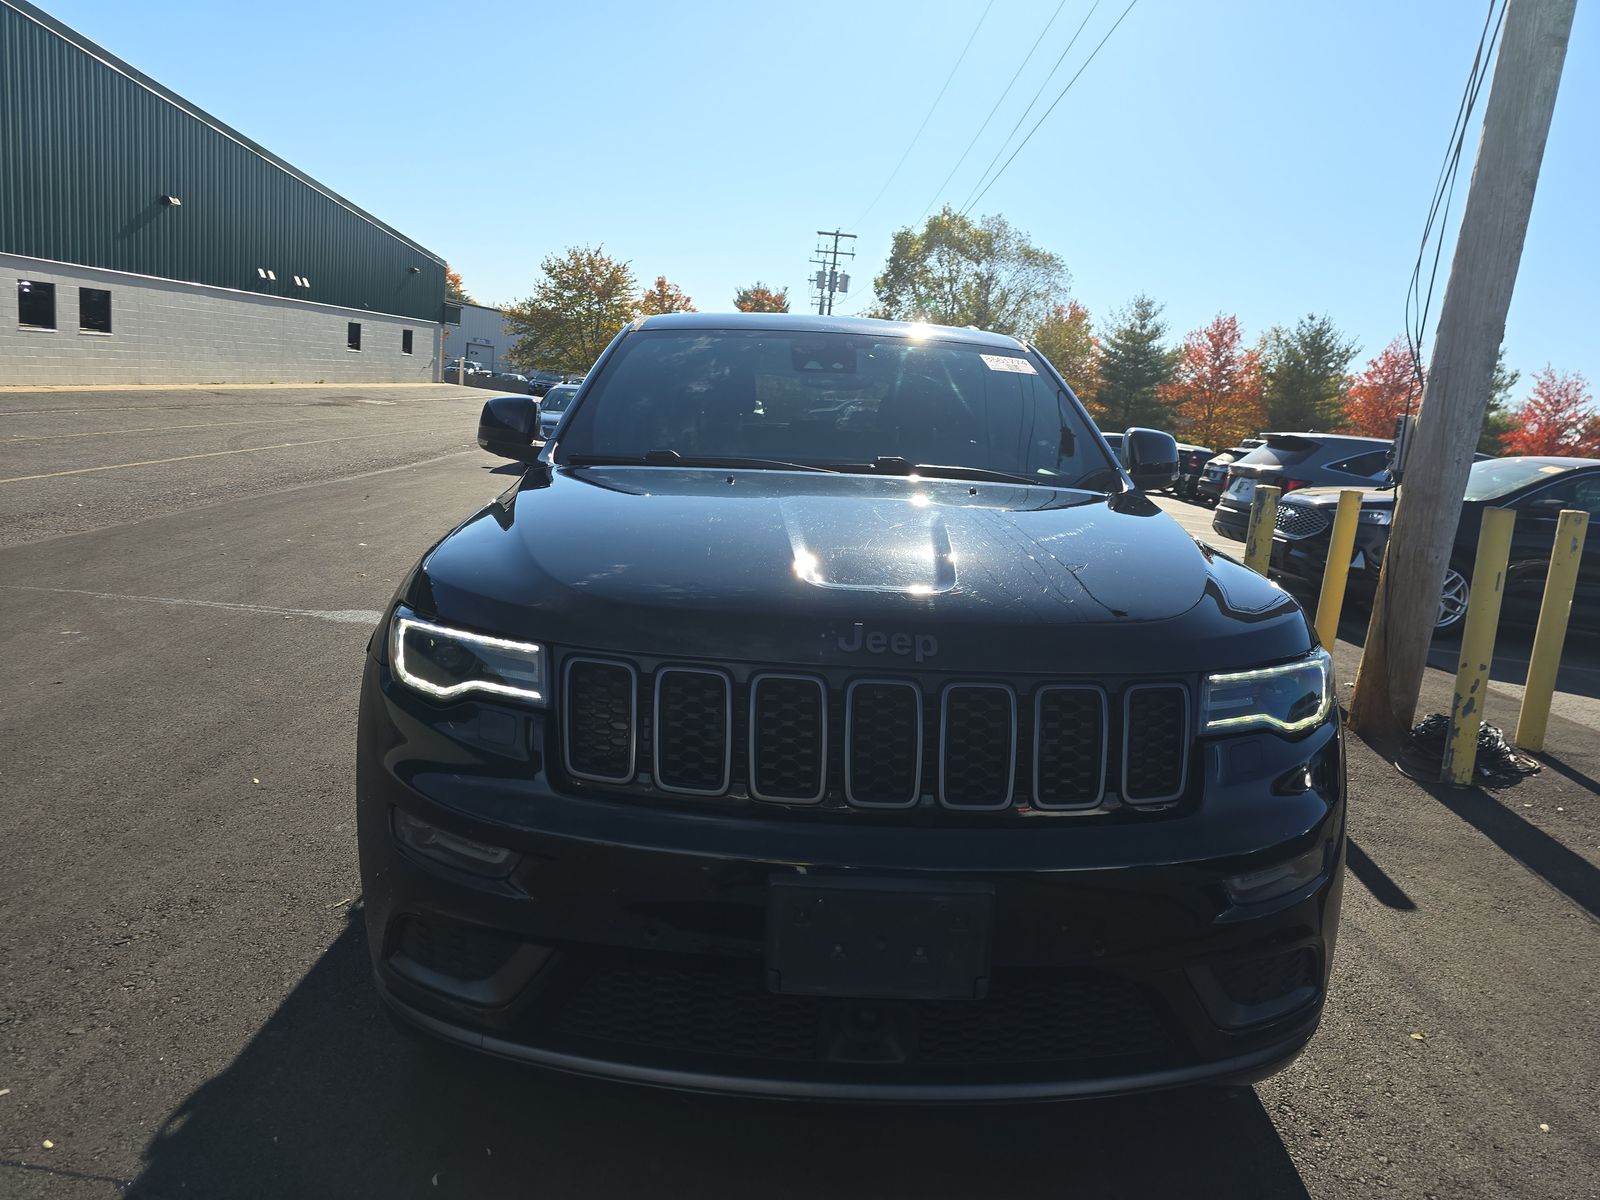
1067, 339
454, 290
759, 298
1303, 375
1558, 417
957, 272
1216, 386
584, 299
1380, 393
664, 297
1498, 418
1134, 367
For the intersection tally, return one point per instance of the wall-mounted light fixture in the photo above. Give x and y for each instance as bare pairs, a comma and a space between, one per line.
172, 202
415, 270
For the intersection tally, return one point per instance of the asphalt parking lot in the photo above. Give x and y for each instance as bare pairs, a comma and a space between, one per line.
188, 580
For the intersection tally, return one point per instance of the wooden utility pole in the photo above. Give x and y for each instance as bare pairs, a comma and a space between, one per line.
1472, 323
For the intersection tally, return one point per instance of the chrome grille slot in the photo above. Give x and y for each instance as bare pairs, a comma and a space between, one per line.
692, 731
1070, 729
788, 738
1300, 520
978, 751
1155, 748
600, 719
883, 743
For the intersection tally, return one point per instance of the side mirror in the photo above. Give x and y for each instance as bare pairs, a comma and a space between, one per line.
1151, 458
509, 428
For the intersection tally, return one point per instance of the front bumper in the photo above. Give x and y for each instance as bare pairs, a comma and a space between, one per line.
630, 941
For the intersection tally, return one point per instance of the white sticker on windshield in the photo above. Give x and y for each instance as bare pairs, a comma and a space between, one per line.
1004, 362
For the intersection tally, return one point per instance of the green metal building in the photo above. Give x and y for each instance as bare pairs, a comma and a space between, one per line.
142, 240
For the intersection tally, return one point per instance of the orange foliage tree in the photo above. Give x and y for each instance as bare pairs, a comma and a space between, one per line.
1216, 386
759, 298
454, 289
664, 297
1558, 417
1067, 339
1380, 393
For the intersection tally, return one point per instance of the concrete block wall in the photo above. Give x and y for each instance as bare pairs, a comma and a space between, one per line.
168, 332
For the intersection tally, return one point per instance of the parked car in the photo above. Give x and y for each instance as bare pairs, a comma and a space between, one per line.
1298, 460
551, 407
1214, 476
543, 381
511, 381
1191, 463
899, 750
1537, 488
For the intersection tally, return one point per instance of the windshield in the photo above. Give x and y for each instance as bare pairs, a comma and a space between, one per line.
834, 400
1494, 477
557, 399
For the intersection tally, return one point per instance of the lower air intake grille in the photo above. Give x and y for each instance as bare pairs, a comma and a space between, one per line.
788, 738
978, 759
1156, 755
599, 720
693, 731
883, 744
1069, 747
1261, 980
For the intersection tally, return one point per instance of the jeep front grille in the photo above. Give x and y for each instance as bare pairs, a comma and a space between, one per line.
798, 738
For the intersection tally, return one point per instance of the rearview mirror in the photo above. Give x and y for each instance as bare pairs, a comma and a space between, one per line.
509, 428
1151, 458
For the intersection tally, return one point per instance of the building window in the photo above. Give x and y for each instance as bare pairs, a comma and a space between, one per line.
352, 337
94, 310
405, 341
36, 304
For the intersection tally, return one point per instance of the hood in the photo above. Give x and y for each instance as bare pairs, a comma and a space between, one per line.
812, 567
1328, 497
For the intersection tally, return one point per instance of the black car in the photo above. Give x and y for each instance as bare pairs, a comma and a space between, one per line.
1214, 476
1192, 462
1537, 488
828, 714
1298, 460
543, 381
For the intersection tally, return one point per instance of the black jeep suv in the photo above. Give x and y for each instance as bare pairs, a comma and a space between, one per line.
829, 714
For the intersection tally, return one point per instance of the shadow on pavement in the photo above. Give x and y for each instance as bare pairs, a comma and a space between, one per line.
327, 1100
1377, 881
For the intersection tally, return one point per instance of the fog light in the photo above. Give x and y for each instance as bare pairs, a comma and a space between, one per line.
1279, 879
453, 850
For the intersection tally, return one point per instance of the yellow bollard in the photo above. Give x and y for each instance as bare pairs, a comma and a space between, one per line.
1340, 543
1477, 645
1263, 519
1554, 610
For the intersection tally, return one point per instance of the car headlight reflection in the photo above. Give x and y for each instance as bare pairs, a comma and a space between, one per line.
1290, 698
446, 663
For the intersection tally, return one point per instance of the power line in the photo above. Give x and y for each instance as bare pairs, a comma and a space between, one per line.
1060, 58
1053, 104
925, 119
1017, 75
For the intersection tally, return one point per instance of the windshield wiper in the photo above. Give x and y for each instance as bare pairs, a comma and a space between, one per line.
671, 458
886, 464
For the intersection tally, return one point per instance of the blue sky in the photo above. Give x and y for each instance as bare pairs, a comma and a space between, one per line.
1261, 157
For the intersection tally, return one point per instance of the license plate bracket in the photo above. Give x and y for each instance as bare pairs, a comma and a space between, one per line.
879, 939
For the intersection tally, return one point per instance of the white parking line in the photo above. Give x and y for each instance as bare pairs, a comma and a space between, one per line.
153, 462
344, 616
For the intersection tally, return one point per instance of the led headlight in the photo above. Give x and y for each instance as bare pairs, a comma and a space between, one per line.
1375, 516
1290, 698
446, 663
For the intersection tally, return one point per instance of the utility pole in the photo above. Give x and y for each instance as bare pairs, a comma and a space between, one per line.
828, 280
1472, 322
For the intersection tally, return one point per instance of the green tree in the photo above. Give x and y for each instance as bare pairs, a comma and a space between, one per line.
584, 299
758, 297
1067, 339
957, 272
1499, 420
664, 297
1303, 370
1135, 368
